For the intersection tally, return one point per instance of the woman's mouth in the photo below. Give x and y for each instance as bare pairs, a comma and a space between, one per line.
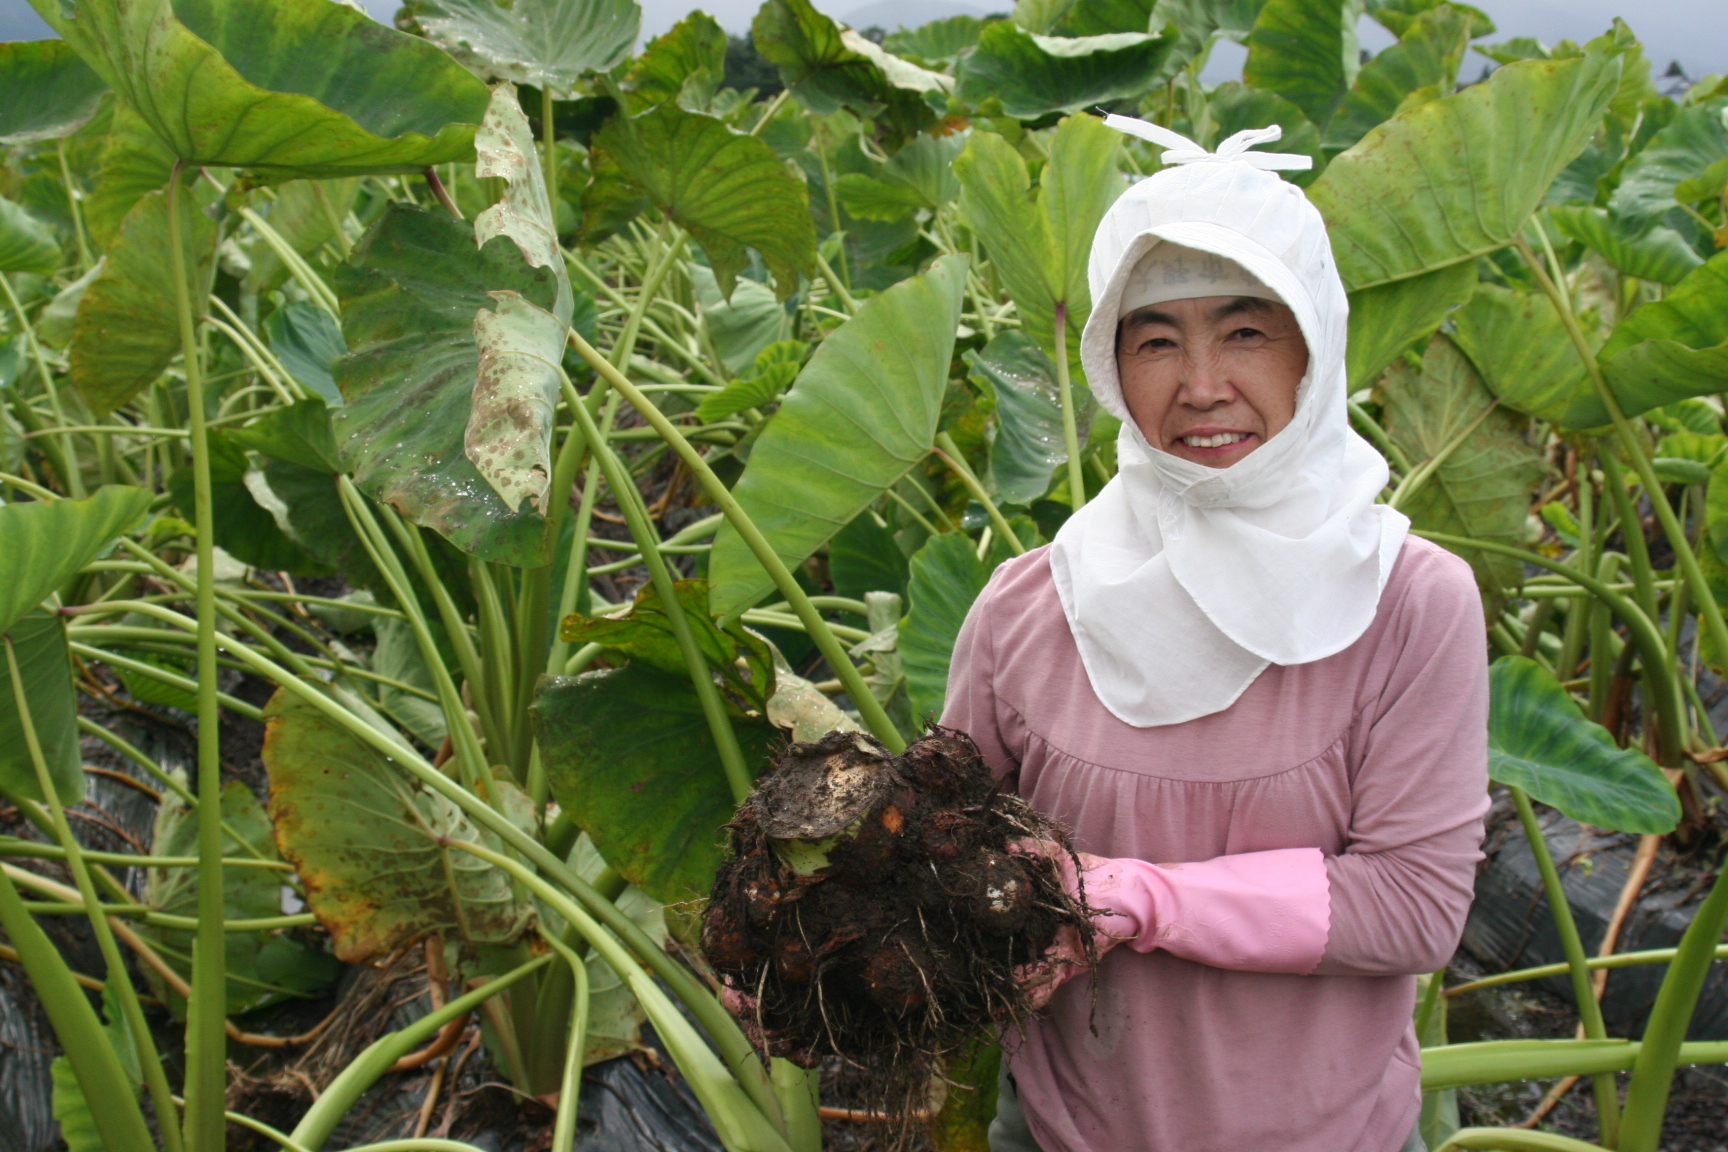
1214, 439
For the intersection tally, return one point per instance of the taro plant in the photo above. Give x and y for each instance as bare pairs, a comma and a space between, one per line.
635, 422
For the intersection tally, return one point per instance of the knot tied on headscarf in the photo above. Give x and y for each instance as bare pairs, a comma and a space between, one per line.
1232, 151
1183, 583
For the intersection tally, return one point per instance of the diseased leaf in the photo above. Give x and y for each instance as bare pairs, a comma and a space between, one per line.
629, 755
45, 666
1650, 252
1036, 75
1482, 489
1539, 740
44, 543
728, 190
289, 88
46, 91
366, 840
26, 244
546, 43
1389, 319
409, 297
128, 326
1306, 51
1521, 350
862, 413
1458, 177
509, 433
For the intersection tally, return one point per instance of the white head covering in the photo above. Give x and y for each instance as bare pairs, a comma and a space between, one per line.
1181, 583
1172, 272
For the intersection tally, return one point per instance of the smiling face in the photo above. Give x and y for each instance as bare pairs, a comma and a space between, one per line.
1212, 378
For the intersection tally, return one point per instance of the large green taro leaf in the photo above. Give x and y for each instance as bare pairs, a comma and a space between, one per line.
26, 244
1389, 319
1101, 17
860, 416
686, 64
1520, 347
43, 543
45, 666
1648, 251
1457, 178
1036, 75
546, 43
128, 327
1038, 243
947, 576
1423, 65
46, 91
366, 840
826, 74
1539, 740
1307, 52
289, 87
263, 968
409, 296
629, 754
133, 163
1029, 446
1696, 138
1482, 489
728, 190
937, 42
1667, 350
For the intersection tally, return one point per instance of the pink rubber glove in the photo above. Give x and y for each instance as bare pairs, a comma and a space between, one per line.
1250, 912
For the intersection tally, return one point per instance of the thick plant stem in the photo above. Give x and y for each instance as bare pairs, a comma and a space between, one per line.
206, 1047
875, 717
1577, 966
642, 529
1070, 421
1653, 1071
1708, 610
956, 460
119, 1120
118, 978
569, 1089
549, 142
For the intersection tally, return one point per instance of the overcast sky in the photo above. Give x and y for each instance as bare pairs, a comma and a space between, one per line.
1694, 32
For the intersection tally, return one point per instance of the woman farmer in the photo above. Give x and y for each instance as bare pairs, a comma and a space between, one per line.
1258, 702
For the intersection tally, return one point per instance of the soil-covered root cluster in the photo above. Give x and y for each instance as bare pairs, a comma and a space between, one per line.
873, 908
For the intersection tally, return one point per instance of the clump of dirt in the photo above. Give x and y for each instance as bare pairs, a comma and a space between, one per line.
874, 908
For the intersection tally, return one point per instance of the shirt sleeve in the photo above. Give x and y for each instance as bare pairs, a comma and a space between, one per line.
1402, 888
971, 705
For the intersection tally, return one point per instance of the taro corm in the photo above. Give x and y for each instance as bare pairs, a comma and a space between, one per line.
878, 908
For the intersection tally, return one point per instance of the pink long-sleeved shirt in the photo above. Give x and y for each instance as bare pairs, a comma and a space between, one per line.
1376, 756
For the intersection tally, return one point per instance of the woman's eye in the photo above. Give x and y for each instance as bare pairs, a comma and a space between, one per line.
1158, 342
1246, 333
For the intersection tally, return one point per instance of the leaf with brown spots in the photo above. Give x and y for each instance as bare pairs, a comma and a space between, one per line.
365, 838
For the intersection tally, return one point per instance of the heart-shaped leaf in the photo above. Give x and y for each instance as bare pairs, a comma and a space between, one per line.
861, 414
1457, 178
45, 665
728, 190
1649, 252
1667, 350
546, 43
128, 328
42, 544
289, 87
823, 67
1029, 446
1520, 347
629, 754
1033, 76
367, 841
1539, 740
685, 64
1482, 488
46, 91
409, 296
